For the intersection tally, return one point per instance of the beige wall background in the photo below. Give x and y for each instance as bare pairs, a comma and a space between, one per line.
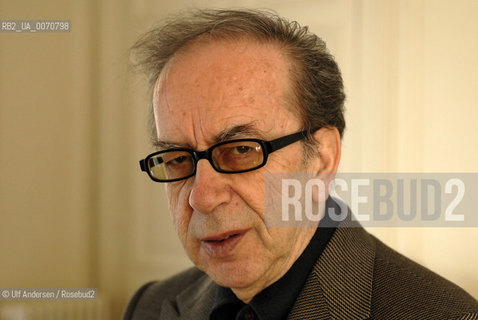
75, 211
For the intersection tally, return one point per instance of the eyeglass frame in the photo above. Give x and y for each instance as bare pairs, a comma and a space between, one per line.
268, 147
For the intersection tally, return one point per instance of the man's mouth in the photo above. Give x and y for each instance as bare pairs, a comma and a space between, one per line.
221, 239
222, 246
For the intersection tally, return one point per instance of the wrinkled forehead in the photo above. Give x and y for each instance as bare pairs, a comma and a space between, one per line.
215, 84
234, 58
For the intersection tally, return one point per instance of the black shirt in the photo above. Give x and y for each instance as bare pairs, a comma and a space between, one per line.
275, 302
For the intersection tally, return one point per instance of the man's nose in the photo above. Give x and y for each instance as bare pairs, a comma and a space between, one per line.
210, 188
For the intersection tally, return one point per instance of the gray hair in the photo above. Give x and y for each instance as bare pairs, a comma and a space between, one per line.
317, 82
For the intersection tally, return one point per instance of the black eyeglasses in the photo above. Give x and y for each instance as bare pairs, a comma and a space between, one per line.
234, 156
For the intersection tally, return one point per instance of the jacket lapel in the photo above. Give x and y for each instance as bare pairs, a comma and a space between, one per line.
195, 302
340, 284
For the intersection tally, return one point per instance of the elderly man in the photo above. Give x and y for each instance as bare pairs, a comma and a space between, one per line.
237, 95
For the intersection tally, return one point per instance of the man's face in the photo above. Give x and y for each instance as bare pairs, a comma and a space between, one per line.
232, 90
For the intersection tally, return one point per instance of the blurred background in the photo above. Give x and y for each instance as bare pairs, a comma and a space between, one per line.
76, 212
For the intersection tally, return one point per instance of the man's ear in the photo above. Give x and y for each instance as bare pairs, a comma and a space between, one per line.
329, 146
328, 143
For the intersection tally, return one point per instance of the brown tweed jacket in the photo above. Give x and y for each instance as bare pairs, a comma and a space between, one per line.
356, 277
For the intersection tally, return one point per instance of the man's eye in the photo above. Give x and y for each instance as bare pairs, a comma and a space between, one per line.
241, 149
177, 160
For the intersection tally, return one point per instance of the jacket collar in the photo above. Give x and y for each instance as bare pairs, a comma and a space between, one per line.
340, 285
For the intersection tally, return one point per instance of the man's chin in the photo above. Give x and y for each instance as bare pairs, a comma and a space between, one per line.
233, 275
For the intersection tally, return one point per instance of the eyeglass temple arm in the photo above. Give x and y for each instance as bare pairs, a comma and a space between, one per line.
285, 141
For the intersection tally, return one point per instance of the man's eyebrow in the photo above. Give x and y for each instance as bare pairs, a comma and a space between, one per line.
163, 145
234, 132
239, 131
